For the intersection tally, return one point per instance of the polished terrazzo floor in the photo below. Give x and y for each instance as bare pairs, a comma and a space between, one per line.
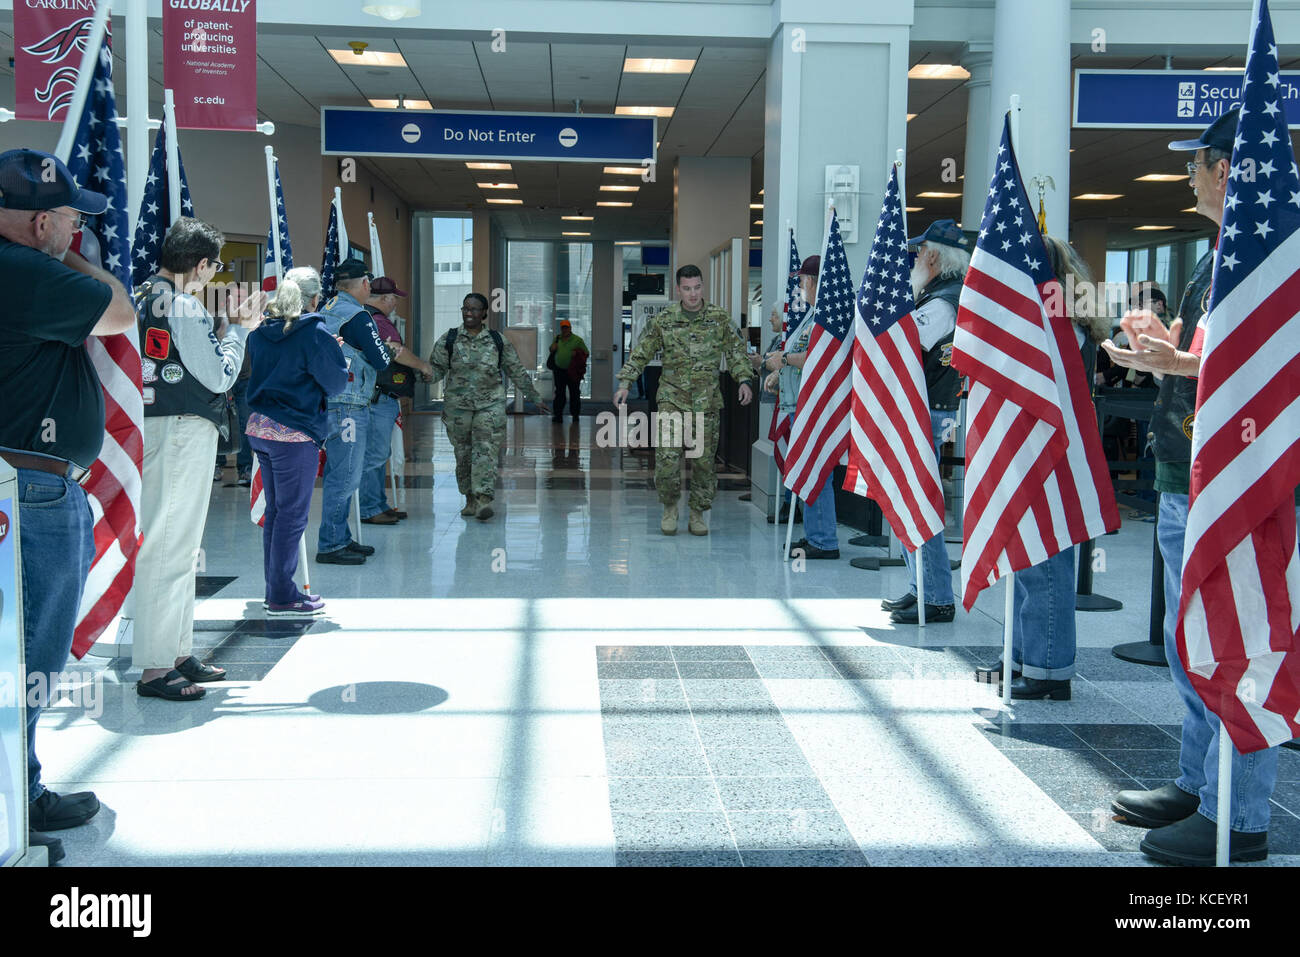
565, 685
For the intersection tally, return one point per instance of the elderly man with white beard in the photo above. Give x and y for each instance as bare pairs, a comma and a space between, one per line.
942, 256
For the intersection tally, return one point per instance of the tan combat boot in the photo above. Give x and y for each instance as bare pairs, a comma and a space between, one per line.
668, 524
484, 507
696, 524
471, 506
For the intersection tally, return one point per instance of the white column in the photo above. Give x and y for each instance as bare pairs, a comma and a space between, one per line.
710, 207
606, 316
977, 58
1031, 57
137, 105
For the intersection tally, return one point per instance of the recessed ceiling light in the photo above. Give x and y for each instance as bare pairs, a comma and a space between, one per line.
575, 234
608, 203
760, 192
752, 238
1152, 228
911, 117
1189, 209
625, 170
367, 58
938, 71
755, 205
626, 242
932, 195
758, 222
1161, 178
503, 202
581, 219
488, 165
664, 111
498, 185
612, 188
634, 64
915, 209
1224, 69
410, 104
1094, 195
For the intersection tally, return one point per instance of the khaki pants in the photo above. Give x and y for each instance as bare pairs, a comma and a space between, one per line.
175, 491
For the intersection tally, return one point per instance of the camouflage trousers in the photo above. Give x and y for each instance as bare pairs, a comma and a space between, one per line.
669, 453
477, 438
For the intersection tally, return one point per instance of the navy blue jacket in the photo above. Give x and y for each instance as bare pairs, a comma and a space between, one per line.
292, 375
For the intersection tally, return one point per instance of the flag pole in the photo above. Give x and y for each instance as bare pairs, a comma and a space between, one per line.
173, 158
1015, 124
1223, 832
789, 528
342, 230
85, 74
275, 214
1007, 623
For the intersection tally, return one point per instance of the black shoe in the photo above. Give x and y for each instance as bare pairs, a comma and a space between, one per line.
342, 556
1033, 689
1191, 843
55, 812
359, 548
1159, 808
908, 616
784, 517
992, 675
899, 604
53, 846
804, 550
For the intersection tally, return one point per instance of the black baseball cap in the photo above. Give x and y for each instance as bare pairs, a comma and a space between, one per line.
943, 231
30, 179
351, 269
1219, 135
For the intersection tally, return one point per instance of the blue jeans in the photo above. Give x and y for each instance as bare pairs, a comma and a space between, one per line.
288, 477
1253, 775
345, 453
938, 573
57, 545
819, 517
1042, 630
379, 445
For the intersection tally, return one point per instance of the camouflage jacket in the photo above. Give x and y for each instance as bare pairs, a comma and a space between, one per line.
473, 379
693, 350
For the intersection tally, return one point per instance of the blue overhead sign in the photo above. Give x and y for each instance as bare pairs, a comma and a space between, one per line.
1167, 99
448, 134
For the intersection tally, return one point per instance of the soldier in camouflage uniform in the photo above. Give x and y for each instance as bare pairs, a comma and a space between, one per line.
474, 401
694, 336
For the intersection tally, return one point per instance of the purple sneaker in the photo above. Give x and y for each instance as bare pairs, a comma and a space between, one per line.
296, 609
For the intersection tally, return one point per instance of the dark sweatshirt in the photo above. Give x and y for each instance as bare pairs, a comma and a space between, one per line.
292, 374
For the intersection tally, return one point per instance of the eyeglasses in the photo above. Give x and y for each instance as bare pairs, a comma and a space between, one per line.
1191, 167
218, 264
78, 219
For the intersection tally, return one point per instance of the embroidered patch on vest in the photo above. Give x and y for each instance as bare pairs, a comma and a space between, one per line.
157, 343
945, 354
172, 373
1187, 425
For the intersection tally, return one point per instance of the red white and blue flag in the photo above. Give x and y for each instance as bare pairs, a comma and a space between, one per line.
336, 249
1036, 477
891, 449
113, 488
269, 270
155, 210
819, 437
1239, 618
796, 308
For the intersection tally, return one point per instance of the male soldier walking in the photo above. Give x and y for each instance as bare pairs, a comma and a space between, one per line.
472, 357
695, 336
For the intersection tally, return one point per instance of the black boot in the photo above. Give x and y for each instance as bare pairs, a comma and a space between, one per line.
1191, 843
992, 675
909, 616
1033, 689
1159, 808
901, 603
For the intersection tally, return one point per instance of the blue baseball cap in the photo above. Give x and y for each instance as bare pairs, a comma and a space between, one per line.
30, 179
1219, 135
944, 231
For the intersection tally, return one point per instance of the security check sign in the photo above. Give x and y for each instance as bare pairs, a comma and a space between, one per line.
1166, 99
449, 134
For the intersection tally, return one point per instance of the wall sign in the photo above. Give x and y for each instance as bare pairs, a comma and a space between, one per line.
1167, 99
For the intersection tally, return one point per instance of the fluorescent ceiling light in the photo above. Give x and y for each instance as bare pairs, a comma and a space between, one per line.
488, 165
760, 192
579, 218
755, 205
752, 238
932, 195
1094, 195
911, 117
626, 242
1161, 178
1224, 69
1152, 228
610, 188
607, 203
938, 71
503, 202
758, 222
1189, 209
392, 9
625, 170
634, 64
498, 185
410, 104
575, 234
915, 209
367, 58
664, 111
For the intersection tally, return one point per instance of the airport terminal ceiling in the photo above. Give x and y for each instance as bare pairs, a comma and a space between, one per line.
714, 108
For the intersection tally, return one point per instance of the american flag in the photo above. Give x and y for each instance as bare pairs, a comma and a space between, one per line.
1036, 478
795, 309
820, 434
336, 249
891, 450
114, 484
155, 210
256, 495
1239, 617
269, 271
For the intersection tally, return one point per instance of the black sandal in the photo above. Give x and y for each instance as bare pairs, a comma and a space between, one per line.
163, 688
196, 671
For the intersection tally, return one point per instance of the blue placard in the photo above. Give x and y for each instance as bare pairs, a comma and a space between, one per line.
1167, 99
447, 134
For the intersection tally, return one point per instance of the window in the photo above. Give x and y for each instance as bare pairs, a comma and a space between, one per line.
441, 240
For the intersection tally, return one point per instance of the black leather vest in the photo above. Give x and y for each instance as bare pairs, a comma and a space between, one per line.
1175, 408
942, 381
169, 387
